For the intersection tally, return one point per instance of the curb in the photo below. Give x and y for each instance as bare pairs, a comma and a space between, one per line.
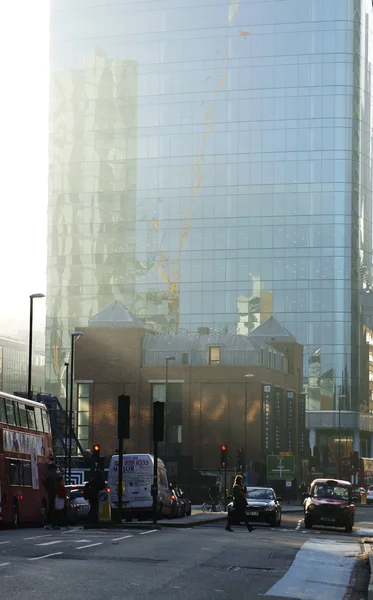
367, 543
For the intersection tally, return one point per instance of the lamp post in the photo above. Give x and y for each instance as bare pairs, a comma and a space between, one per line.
29, 390
66, 413
168, 358
248, 376
74, 336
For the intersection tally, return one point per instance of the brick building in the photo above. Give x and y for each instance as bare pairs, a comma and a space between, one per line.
211, 379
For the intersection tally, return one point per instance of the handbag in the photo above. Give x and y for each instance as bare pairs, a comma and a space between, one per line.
60, 503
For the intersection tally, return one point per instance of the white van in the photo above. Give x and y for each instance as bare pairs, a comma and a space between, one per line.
137, 500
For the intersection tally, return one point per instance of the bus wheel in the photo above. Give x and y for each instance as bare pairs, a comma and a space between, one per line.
15, 515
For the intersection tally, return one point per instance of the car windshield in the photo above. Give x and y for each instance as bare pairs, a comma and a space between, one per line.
326, 490
259, 494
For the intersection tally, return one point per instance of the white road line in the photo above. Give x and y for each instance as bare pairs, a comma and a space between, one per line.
299, 525
45, 556
124, 537
89, 546
81, 541
150, 531
4, 543
4, 564
49, 543
321, 569
37, 537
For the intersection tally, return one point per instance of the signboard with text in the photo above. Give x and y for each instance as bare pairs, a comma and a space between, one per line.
281, 467
267, 392
290, 421
302, 424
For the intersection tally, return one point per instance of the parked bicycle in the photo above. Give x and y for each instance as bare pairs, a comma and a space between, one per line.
213, 505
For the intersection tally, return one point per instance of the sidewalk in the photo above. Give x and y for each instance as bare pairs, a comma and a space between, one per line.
368, 548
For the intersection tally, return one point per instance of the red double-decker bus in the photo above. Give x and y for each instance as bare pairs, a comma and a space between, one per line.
25, 446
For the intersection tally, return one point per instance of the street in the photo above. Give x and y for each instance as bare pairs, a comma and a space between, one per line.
201, 562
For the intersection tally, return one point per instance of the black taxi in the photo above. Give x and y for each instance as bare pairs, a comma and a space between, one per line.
329, 503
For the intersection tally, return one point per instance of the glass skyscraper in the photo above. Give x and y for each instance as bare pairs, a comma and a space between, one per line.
211, 166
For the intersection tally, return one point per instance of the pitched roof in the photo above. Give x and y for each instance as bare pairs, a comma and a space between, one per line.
115, 315
273, 329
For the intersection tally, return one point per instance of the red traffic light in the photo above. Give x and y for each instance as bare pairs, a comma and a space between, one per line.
96, 448
224, 448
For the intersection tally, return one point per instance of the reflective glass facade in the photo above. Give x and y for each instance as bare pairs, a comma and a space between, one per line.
211, 165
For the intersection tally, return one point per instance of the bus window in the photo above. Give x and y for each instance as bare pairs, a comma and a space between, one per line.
22, 415
27, 479
16, 414
14, 471
9, 406
2, 411
30, 411
39, 420
46, 423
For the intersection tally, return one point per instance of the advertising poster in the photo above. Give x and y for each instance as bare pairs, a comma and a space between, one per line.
23, 443
278, 413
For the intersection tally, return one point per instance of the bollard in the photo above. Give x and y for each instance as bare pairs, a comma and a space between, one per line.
363, 496
104, 509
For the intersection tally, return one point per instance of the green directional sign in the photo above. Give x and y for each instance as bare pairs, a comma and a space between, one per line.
281, 467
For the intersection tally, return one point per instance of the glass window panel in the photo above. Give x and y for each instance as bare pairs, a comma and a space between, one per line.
38, 419
22, 415
31, 417
2, 411
46, 422
9, 406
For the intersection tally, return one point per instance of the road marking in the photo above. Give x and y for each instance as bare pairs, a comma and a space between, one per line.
150, 531
4, 543
4, 564
299, 525
321, 569
49, 543
124, 537
81, 541
89, 546
45, 556
37, 537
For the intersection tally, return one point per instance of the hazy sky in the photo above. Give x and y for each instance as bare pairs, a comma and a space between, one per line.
24, 55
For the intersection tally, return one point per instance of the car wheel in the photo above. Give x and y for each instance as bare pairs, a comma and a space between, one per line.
348, 528
273, 522
15, 515
307, 523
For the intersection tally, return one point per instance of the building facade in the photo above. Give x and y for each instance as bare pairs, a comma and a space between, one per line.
14, 367
241, 391
211, 166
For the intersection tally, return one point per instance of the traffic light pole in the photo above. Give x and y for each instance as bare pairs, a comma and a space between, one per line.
225, 486
120, 480
155, 483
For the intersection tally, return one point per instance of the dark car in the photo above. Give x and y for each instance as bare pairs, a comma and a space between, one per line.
262, 506
178, 507
186, 501
357, 493
78, 506
329, 503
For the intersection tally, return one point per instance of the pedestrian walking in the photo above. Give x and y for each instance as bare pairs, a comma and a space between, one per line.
91, 493
50, 484
239, 505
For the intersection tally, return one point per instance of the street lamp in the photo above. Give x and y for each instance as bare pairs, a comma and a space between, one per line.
168, 358
29, 390
248, 376
74, 336
66, 413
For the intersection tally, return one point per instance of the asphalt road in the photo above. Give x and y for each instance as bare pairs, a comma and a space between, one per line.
201, 563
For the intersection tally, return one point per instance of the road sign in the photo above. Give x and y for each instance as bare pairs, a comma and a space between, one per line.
281, 467
286, 454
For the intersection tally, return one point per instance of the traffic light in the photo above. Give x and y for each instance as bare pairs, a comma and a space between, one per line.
354, 461
223, 455
240, 459
96, 453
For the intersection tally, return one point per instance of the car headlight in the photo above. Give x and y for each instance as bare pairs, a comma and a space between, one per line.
311, 507
269, 508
